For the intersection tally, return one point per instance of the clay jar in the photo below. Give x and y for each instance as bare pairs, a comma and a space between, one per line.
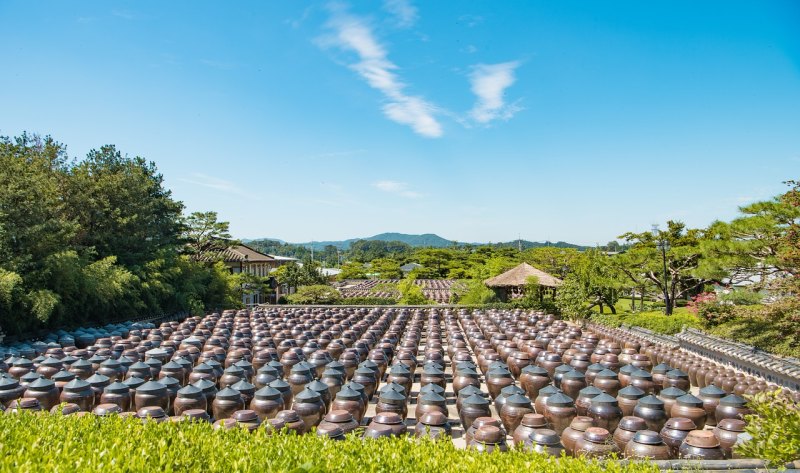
322, 389
575, 432
496, 379
559, 412
544, 441
533, 378
151, 393
675, 431
584, 399
690, 407
463, 378
366, 378
298, 378
505, 393
247, 419
608, 382
487, 439
516, 361
727, 432
291, 420
572, 382
626, 429
400, 374
388, 419
433, 425
659, 372
472, 408
431, 374
267, 402
642, 380
628, 397
45, 391
10, 390
529, 424
711, 395
349, 400
430, 402
189, 397
605, 412
78, 392
596, 443
308, 404
392, 401
651, 409
540, 404
209, 391
731, 407
678, 379
515, 407
286, 391
341, 419
701, 445
477, 424
226, 402
647, 444
117, 393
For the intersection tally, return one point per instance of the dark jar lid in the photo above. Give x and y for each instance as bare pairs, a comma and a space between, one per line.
604, 399
488, 434
117, 388
632, 423
518, 400
156, 412
289, 416
677, 374
560, 399
651, 402
267, 393
689, 400
77, 385
534, 370
229, 394
245, 415
190, 392
672, 393
389, 418
596, 435
152, 387
606, 374
631, 392
648, 437
433, 418
581, 423
713, 392
106, 409
680, 423
733, 401
347, 394
589, 392
545, 437
732, 425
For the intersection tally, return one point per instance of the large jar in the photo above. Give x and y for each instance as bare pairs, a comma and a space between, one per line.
651, 409
728, 432
626, 429
690, 407
505, 393
392, 401
533, 378
701, 445
659, 372
10, 390
98, 383
628, 397
515, 407
299, 377
678, 379
339, 418
496, 379
608, 382
286, 392
78, 392
647, 444
711, 395
643, 380
349, 400
544, 441
530, 423
226, 402
267, 402
432, 374
308, 404
472, 408
675, 431
117, 393
572, 382
152, 393
209, 391
366, 377
430, 402
433, 425
605, 412
731, 407
540, 403
669, 396
559, 412
463, 378
400, 374
45, 391
596, 443
247, 390
189, 397
575, 432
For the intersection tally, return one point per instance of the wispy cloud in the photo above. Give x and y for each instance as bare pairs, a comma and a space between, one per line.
353, 34
404, 12
397, 188
489, 82
215, 183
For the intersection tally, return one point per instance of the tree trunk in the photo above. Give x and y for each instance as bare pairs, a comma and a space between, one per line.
633, 300
601, 307
613, 309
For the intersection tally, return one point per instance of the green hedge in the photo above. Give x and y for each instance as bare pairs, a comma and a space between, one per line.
49, 443
655, 321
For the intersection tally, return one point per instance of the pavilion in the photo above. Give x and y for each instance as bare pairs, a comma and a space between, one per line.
514, 283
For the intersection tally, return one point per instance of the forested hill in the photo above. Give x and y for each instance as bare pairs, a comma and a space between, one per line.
426, 240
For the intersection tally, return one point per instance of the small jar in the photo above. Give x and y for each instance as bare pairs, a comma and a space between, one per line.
341, 419
608, 382
533, 378
575, 432
433, 425
701, 445
391, 420
488, 439
626, 429
291, 421
544, 441
560, 411
596, 443
530, 423
675, 431
651, 409
351, 401
728, 432
247, 419
647, 445
473, 407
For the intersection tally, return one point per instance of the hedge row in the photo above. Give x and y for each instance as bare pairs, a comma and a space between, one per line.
51, 443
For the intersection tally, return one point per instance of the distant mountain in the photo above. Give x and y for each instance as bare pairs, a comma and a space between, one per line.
427, 240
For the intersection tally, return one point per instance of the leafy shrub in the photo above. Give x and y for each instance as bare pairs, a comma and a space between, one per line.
47, 443
655, 321
366, 301
473, 292
740, 297
316, 294
774, 427
774, 328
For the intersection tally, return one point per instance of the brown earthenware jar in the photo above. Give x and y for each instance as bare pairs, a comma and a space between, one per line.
678, 379
701, 445
727, 432
690, 407
533, 378
349, 400
669, 396
226, 402
152, 393
572, 382
391, 420
286, 392
339, 418
626, 429
512, 412
433, 425
647, 445
731, 407
267, 402
103, 410
559, 412
298, 378
392, 401
540, 404
642, 380
10, 390
78, 392
247, 418
430, 402
711, 395
596, 443
291, 420
308, 404
189, 397
605, 412
608, 382
496, 379
477, 424
575, 432
45, 391
117, 393
675, 431
487, 439
400, 374
544, 441
628, 397
651, 409
529, 424
472, 408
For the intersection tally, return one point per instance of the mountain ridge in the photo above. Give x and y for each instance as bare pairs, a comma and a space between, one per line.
424, 240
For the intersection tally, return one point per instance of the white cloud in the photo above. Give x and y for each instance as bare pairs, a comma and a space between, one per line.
354, 34
404, 12
489, 82
215, 183
398, 188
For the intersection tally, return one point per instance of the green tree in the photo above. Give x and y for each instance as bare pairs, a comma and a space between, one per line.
411, 293
205, 236
571, 299
315, 294
353, 270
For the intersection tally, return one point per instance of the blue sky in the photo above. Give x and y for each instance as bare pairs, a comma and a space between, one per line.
478, 121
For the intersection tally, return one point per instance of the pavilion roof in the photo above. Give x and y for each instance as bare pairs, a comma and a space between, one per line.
520, 275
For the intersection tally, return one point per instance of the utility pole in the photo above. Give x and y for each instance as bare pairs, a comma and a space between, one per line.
663, 245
